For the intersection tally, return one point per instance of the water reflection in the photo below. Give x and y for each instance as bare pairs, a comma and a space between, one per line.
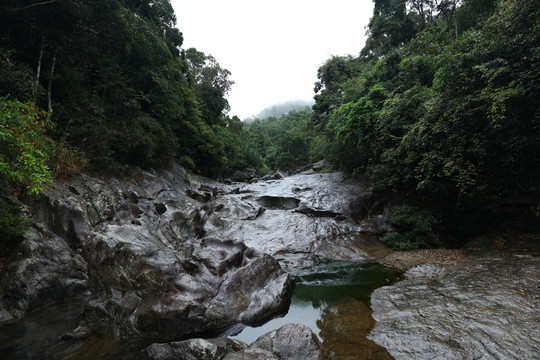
40, 336
332, 299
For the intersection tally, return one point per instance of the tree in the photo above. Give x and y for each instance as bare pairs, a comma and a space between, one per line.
23, 148
211, 83
388, 28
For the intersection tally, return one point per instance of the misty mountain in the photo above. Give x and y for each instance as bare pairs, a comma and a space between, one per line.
283, 108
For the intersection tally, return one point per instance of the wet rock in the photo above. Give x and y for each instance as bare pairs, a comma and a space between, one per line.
308, 218
425, 270
160, 208
485, 309
43, 270
151, 275
152, 292
291, 341
193, 349
275, 176
278, 202
203, 197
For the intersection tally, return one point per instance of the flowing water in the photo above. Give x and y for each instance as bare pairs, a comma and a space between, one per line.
332, 299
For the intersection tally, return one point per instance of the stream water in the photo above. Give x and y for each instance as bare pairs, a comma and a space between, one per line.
332, 299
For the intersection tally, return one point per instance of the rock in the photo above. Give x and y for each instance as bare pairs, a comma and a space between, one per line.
425, 270
44, 270
169, 255
278, 202
308, 218
291, 341
151, 275
193, 349
151, 292
200, 196
485, 309
275, 176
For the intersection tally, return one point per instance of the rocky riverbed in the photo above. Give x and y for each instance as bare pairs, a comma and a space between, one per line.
481, 302
164, 256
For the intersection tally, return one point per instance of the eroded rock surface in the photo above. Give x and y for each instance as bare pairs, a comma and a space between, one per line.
44, 270
135, 244
288, 342
301, 219
488, 308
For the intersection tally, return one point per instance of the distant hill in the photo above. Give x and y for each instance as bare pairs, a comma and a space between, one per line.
283, 108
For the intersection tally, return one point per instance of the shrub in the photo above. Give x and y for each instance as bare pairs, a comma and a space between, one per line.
23, 148
66, 160
415, 228
13, 225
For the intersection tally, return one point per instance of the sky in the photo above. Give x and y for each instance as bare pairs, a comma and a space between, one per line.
272, 48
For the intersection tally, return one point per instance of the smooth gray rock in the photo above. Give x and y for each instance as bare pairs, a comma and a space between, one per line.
151, 274
192, 349
141, 244
300, 220
485, 309
291, 341
42, 271
151, 291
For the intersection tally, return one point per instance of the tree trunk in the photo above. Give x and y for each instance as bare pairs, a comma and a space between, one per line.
49, 87
38, 71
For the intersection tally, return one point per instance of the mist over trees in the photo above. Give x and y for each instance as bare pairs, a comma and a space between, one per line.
283, 109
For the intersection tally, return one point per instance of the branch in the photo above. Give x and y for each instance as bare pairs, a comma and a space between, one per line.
36, 4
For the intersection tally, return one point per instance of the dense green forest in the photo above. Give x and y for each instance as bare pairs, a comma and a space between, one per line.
440, 106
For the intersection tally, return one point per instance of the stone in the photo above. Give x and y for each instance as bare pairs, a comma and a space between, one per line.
44, 270
291, 341
192, 349
307, 218
425, 270
135, 244
488, 308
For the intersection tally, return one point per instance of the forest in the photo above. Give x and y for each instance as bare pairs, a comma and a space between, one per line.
441, 107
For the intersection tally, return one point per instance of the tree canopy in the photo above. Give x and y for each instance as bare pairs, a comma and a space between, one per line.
446, 110
441, 104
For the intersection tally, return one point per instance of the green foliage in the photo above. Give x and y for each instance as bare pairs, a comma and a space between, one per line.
23, 150
13, 225
122, 90
450, 114
282, 143
415, 228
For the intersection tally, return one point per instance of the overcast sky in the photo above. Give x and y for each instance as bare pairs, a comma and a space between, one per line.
272, 48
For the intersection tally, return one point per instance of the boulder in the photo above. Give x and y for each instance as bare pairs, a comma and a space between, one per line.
43, 270
134, 242
291, 341
150, 291
192, 349
485, 309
